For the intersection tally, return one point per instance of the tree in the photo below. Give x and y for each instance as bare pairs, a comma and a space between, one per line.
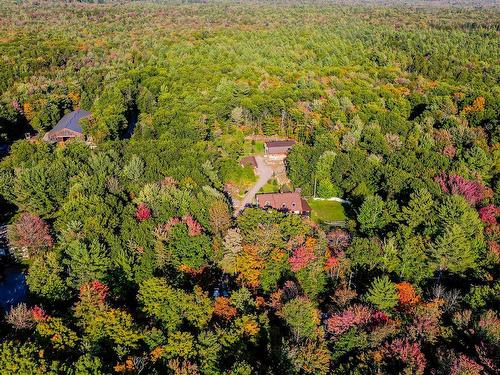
103, 324
472, 191
45, 277
231, 248
30, 235
20, 317
310, 357
134, 169
39, 189
87, 365
302, 318
409, 354
356, 315
223, 308
372, 215
86, 262
220, 219
420, 210
325, 187
162, 302
142, 212
406, 294
60, 337
453, 251
25, 358
383, 294
183, 250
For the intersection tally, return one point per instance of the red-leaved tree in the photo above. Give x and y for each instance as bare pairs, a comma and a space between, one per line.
39, 314
352, 316
143, 212
465, 365
473, 191
488, 214
194, 228
29, 235
94, 290
409, 354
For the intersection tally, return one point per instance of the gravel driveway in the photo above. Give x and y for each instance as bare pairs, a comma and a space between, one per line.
264, 172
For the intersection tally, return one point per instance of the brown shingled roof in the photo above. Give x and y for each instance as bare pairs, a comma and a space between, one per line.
283, 201
249, 160
289, 143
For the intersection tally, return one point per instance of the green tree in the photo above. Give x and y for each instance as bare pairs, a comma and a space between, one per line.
372, 215
24, 359
86, 262
45, 277
383, 294
302, 318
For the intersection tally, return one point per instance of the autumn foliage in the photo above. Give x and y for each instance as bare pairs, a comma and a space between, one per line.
353, 316
406, 294
303, 255
224, 309
143, 212
94, 291
473, 191
39, 314
30, 232
488, 214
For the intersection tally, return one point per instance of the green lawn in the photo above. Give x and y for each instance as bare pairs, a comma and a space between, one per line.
256, 148
271, 186
326, 211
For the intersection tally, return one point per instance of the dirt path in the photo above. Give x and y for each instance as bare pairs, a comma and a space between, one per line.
264, 172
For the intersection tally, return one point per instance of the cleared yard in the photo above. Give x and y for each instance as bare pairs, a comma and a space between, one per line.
326, 211
253, 148
271, 186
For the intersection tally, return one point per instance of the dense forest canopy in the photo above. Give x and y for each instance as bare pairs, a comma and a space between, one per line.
135, 260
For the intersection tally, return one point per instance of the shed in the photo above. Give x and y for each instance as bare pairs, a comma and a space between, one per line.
249, 160
278, 149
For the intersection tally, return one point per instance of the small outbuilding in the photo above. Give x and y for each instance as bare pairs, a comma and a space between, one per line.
278, 150
287, 202
68, 127
249, 160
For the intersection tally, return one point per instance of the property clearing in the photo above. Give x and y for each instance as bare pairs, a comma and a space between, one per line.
324, 211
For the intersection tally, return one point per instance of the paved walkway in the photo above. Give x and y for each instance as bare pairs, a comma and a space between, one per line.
264, 172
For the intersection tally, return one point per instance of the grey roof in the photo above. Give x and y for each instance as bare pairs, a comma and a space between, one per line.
72, 121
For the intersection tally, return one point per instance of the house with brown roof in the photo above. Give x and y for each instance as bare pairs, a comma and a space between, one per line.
68, 127
278, 150
248, 160
287, 202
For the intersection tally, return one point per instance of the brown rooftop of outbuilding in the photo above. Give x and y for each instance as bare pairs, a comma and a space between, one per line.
272, 144
249, 160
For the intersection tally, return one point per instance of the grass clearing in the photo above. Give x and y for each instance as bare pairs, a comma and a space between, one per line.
253, 148
326, 211
271, 186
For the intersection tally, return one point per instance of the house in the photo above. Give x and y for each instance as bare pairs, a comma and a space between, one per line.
288, 202
68, 127
278, 150
249, 160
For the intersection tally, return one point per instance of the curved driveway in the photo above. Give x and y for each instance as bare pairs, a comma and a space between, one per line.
264, 172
